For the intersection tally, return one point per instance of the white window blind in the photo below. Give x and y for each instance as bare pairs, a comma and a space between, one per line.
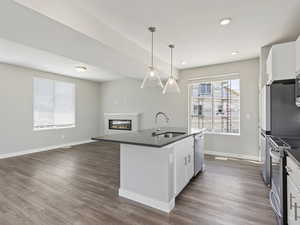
54, 104
215, 105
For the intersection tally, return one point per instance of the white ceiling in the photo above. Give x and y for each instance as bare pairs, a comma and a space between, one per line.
118, 40
193, 25
107, 53
25, 56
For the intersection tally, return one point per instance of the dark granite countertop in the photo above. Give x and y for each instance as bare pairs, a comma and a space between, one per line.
145, 137
294, 152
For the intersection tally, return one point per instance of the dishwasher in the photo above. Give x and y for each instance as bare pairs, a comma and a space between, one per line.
199, 165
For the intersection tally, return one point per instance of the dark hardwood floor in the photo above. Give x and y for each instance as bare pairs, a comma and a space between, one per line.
80, 186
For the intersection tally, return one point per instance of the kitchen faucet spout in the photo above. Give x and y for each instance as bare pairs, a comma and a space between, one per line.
162, 114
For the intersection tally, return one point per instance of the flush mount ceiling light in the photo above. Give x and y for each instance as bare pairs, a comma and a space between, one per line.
81, 68
152, 78
183, 63
171, 85
234, 53
225, 21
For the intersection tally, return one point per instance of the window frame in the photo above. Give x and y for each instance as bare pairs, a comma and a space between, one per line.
210, 79
54, 127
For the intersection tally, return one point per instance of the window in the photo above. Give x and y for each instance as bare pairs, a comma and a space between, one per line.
53, 104
215, 105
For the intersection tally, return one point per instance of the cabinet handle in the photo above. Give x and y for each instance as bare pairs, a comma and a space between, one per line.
189, 158
296, 211
185, 160
291, 200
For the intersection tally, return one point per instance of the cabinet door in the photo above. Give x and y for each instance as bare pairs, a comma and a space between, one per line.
284, 61
293, 203
281, 62
184, 163
180, 166
263, 108
190, 159
269, 66
298, 55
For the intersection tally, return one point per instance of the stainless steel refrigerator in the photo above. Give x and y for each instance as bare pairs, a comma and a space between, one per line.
284, 113
280, 117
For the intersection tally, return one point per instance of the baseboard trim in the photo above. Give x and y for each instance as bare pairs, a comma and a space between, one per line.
43, 149
160, 205
232, 155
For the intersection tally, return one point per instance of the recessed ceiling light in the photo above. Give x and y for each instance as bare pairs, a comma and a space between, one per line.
81, 68
225, 21
183, 63
234, 53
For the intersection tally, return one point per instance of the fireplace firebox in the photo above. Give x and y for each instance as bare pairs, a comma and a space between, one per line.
118, 124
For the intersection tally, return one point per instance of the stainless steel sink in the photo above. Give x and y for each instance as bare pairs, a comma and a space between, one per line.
167, 134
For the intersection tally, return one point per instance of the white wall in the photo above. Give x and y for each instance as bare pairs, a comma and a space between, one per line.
126, 96
94, 99
16, 112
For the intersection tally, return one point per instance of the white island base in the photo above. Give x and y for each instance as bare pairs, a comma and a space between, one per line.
155, 176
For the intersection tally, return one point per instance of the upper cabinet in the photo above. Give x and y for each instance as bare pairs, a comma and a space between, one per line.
281, 62
298, 55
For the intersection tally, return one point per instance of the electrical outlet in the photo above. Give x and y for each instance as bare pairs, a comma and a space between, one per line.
248, 116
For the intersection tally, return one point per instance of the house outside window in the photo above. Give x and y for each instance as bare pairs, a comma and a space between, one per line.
215, 105
205, 89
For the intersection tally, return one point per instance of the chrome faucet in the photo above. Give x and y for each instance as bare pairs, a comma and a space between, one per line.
163, 114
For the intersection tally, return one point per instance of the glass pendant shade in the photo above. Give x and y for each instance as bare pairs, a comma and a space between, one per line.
171, 85
152, 79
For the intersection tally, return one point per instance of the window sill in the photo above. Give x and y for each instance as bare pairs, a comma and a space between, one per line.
53, 128
224, 134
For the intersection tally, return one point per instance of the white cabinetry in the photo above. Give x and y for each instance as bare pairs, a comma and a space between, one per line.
265, 108
190, 159
298, 55
184, 163
281, 62
293, 192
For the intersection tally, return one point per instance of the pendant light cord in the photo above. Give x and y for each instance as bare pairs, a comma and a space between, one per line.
171, 47
171, 62
152, 50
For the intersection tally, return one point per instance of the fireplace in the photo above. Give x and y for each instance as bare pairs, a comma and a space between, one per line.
119, 124
115, 123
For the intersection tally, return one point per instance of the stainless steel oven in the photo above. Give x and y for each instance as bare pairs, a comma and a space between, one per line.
276, 147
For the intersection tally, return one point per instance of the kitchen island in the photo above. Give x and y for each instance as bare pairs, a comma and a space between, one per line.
155, 165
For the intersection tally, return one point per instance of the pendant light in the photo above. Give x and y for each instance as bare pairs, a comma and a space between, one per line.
152, 79
171, 85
